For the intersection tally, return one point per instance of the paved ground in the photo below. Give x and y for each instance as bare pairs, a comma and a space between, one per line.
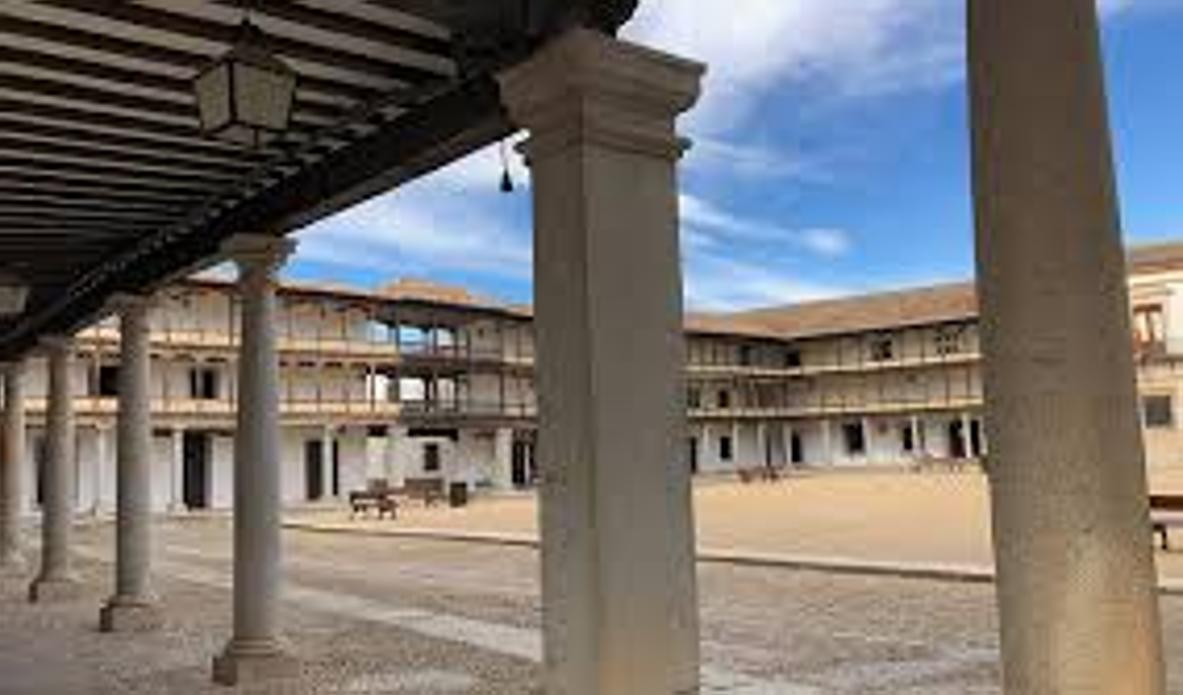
393, 616
909, 518
390, 616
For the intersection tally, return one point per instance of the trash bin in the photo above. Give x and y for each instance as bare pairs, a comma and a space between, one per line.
458, 494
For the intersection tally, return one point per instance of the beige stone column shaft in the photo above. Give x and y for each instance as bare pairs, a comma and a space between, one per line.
177, 470
254, 652
618, 575
133, 607
56, 579
12, 560
1076, 577
503, 458
328, 436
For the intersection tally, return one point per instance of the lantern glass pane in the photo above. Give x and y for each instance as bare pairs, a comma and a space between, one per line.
213, 98
263, 97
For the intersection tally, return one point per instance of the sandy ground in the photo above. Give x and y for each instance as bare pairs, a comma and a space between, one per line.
939, 518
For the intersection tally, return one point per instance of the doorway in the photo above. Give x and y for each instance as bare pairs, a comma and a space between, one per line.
195, 457
957, 439
693, 455
313, 470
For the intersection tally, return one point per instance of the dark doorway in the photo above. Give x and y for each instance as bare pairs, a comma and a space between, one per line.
336, 468
195, 455
313, 469
796, 449
693, 441
956, 439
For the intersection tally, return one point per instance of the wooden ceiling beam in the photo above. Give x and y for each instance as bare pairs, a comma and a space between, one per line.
79, 37
227, 34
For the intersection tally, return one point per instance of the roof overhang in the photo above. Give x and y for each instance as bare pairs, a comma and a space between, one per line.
108, 186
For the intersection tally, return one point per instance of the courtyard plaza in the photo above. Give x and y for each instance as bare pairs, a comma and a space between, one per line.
884, 522
370, 612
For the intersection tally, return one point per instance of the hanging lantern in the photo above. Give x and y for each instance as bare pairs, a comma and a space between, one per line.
246, 96
14, 292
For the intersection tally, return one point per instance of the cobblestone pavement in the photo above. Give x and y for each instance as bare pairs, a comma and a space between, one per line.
394, 616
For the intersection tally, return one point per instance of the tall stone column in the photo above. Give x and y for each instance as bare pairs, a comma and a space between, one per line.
176, 502
967, 442
255, 652
56, 579
503, 458
328, 437
133, 606
98, 479
1076, 576
618, 575
12, 561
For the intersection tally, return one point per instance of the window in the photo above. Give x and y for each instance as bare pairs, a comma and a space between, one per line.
431, 458
724, 399
725, 452
854, 438
745, 355
108, 381
1148, 327
694, 397
947, 341
203, 383
882, 348
792, 358
1158, 412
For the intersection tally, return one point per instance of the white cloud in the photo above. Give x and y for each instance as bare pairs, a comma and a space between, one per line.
854, 47
716, 283
706, 224
440, 223
826, 241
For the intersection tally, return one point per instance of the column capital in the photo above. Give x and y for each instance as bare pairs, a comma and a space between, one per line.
121, 302
56, 343
258, 254
585, 86
15, 365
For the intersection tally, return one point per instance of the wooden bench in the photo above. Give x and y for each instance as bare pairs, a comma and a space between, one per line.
1165, 511
378, 496
429, 490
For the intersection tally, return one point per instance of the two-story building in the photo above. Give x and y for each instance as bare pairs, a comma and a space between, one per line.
418, 380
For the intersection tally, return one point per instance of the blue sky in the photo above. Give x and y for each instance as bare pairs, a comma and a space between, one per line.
830, 158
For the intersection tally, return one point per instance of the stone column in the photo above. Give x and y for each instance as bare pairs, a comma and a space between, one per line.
918, 448
327, 437
618, 575
254, 652
133, 607
1076, 576
503, 458
12, 561
762, 445
56, 579
98, 481
827, 442
967, 435
868, 439
177, 467
736, 449
786, 442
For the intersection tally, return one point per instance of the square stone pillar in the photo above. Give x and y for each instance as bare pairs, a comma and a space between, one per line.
503, 458
618, 574
1076, 576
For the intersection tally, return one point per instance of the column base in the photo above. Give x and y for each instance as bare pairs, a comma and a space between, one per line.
124, 614
246, 663
54, 590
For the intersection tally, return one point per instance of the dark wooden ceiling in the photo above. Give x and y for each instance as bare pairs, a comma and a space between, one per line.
107, 185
